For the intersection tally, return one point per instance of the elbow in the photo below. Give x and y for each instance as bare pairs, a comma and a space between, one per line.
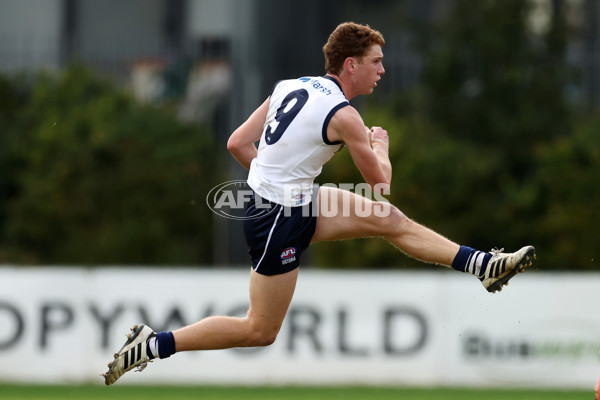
233, 145
380, 186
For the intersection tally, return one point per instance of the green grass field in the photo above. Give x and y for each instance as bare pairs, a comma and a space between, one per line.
35, 392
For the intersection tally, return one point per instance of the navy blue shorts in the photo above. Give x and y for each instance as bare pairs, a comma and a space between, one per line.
277, 235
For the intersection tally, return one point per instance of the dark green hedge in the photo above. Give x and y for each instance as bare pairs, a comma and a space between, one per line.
90, 176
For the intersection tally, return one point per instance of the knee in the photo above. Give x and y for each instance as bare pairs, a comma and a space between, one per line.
262, 337
399, 219
395, 221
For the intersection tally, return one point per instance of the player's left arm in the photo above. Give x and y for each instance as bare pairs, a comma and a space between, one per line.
368, 148
241, 142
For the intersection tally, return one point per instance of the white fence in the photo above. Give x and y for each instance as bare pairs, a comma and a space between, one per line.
397, 328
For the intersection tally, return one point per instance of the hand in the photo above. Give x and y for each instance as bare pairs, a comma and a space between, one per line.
378, 137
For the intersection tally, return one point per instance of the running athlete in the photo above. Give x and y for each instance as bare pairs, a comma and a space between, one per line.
300, 126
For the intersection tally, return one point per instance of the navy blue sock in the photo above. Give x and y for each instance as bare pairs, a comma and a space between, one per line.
166, 344
472, 261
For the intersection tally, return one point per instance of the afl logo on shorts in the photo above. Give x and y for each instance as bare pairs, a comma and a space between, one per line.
288, 253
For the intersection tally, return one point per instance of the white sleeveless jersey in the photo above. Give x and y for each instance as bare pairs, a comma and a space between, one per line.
294, 145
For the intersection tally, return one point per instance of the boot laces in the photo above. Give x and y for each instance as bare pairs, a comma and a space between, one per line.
142, 366
496, 252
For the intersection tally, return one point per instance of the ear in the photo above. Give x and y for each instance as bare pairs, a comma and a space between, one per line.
350, 64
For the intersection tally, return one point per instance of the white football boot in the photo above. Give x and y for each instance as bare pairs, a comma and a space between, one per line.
132, 354
503, 266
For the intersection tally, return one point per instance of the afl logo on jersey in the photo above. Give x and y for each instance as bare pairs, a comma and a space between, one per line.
288, 253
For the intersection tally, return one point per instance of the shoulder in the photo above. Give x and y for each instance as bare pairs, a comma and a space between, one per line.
280, 85
346, 122
346, 116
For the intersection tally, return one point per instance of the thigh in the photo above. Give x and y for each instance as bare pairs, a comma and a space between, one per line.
346, 215
270, 298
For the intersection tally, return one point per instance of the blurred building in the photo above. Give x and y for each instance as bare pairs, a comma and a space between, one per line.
157, 46
133, 40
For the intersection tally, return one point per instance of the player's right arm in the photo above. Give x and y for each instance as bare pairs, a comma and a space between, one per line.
241, 142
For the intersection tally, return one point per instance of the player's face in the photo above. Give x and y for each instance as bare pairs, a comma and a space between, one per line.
370, 69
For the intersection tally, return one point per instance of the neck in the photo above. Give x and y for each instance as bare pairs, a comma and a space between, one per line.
345, 88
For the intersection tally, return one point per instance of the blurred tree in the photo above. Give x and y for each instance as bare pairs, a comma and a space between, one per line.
10, 103
104, 180
491, 78
495, 77
569, 173
473, 146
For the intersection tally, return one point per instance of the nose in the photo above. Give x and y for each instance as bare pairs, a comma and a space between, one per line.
381, 70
